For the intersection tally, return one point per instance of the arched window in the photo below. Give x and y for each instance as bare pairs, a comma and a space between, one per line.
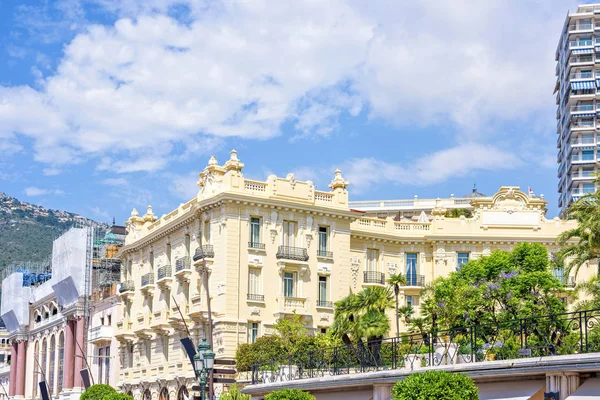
147, 395
183, 394
61, 360
36, 369
52, 352
44, 359
164, 394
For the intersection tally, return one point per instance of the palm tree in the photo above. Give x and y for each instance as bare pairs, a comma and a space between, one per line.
591, 289
407, 312
586, 211
395, 282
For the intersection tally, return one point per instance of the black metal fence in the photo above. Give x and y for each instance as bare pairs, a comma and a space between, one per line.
560, 334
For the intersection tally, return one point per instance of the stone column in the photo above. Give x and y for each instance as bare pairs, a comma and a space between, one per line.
565, 383
79, 336
20, 379
13, 370
69, 355
382, 391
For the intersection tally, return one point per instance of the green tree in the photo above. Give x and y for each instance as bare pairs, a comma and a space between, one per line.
439, 385
97, 392
459, 212
582, 243
289, 394
395, 281
117, 396
234, 393
591, 290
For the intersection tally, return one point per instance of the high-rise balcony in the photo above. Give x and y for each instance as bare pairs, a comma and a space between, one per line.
582, 125
374, 277
183, 268
581, 75
165, 276
292, 253
582, 59
147, 282
581, 27
415, 280
580, 43
204, 252
580, 159
583, 108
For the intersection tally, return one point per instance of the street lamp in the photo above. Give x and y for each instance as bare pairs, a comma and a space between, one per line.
204, 361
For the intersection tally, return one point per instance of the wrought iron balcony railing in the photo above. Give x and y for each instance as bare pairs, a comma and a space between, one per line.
204, 252
415, 280
148, 279
374, 277
541, 336
324, 303
324, 253
256, 245
164, 272
182, 263
127, 286
292, 253
256, 297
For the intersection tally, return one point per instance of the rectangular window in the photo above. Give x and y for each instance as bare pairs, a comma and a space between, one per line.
106, 365
463, 258
252, 332
254, 232
100, 363
558, 273
409, 301
254, 281
289, 233
165, 347
323, 238
589, 188
411, 269
323, 331
372, 257
109, 320
586, 172
148, 349
289, 284
322, 289
587, 155
130, 356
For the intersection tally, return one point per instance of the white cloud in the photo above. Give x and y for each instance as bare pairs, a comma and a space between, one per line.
51, 171
100, 213
115, 182
245, 68
33, 191
363, 173
183, 187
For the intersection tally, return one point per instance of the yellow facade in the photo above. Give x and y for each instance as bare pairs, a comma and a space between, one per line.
281, 246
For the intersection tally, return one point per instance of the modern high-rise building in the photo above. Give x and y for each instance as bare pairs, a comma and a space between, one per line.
578, 111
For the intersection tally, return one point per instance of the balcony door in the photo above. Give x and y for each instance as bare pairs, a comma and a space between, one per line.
411, 269
289, 233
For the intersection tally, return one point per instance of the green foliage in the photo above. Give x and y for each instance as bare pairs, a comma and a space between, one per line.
97, 392
234, 393
459, 212
289, 394
439, 385
120, 396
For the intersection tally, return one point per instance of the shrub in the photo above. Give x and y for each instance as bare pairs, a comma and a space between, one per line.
234, 393
289, 394
97, 392
117, 396
440, 385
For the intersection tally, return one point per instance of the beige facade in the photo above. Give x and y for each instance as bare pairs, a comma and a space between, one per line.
281, 246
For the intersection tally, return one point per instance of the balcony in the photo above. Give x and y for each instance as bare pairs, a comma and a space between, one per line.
374, 277
582, 160
569, 281
127, 289
582, 125
580, 43
581, 27
581, 75
99, 334
256, 297
294, 304
292, 253
147, 283
324, 254
165, 276
183, 268
143, 329
124, 331
583, 108
204, 252
160, 322
324, 304
415, 280
256, 246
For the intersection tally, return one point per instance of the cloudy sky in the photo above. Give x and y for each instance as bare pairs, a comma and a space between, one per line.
107, 105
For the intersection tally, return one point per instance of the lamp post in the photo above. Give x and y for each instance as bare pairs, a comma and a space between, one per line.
204, 361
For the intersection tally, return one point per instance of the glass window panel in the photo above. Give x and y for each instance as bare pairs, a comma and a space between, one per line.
411, 268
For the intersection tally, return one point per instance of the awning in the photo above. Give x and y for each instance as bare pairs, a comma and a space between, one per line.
513, 390
588, 391
583, 85
582, 115
583, 51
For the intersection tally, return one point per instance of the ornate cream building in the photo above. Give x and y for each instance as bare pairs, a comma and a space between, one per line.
277, 247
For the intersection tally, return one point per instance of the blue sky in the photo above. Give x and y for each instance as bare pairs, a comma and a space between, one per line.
107, 105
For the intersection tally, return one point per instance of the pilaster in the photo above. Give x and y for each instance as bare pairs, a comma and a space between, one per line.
563, 383
382, 391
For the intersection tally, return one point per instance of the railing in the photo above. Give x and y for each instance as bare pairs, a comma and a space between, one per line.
292, 253
581, 59
148, 279
293, 302
182, 263
205, 251
164, 272
256, 297
324, 196
374, 277
582, 159
254, 186
583, 107
579, 43
127, 286
415, 280
538, 337
324, 303
324, 253
580, 27
256, 245
582, 124
581, 75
